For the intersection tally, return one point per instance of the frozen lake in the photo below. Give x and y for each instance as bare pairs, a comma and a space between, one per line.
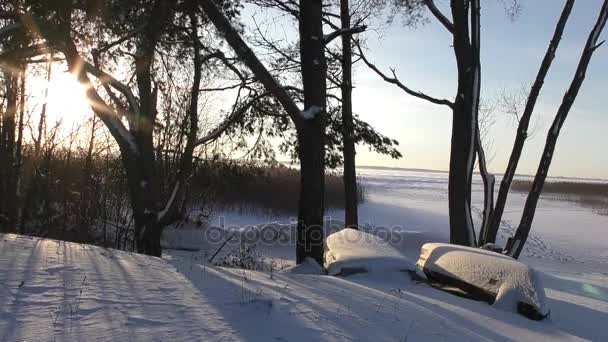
566, 237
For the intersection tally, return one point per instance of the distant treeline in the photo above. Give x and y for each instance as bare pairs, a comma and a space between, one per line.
588, 194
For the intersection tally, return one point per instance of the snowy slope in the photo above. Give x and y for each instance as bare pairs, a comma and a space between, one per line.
56, 291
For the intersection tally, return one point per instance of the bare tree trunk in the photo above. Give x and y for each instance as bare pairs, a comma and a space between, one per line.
488, 179
489, 235
7, 155
42, 120
86, 194
311, 133
462, 154
351, 216
516, 244
185, 164
488, 188
19, 148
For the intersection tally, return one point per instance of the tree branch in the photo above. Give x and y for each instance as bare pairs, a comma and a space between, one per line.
398, 83
216, 132
250, 59
108, 79
337, 33
440, 16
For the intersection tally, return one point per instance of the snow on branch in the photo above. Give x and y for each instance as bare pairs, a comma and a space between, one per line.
106, 113
394, 80
161, 214
337, 33
108, 79
311, 112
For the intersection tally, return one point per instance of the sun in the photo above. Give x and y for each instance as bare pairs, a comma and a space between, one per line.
67, 99
66, 102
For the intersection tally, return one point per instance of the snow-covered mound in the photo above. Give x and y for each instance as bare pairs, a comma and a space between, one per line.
353, 251
309, 266
509, 284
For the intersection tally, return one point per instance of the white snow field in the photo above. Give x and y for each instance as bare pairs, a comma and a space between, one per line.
57, 291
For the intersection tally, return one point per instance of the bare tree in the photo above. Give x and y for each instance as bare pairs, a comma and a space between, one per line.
488, 232
465, 30
516, 244
351, 217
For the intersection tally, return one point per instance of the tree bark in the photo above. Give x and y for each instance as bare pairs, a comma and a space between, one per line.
7, 155
351, 217
516, 244
144, 182
488, 189
462, 154
488, 179
489, 235
311, 133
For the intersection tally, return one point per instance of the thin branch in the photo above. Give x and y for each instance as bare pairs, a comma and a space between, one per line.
215, 133
394, 80
337, 33
121, 40
249, 58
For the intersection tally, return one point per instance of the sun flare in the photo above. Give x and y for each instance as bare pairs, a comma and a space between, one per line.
66, 101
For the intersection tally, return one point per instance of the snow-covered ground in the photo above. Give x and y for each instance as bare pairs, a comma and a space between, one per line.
56, 291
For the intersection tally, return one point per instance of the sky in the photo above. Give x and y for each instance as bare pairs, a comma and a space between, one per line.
511, 54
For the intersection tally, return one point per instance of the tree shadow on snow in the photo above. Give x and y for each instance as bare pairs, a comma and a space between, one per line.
579, 320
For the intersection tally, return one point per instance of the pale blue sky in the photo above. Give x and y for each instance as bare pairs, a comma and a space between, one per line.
511, 55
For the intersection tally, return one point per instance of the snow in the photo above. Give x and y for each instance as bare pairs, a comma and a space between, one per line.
510, 281
161, 214
311, 112
351, 250
124, 134
56, 291
309, 266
